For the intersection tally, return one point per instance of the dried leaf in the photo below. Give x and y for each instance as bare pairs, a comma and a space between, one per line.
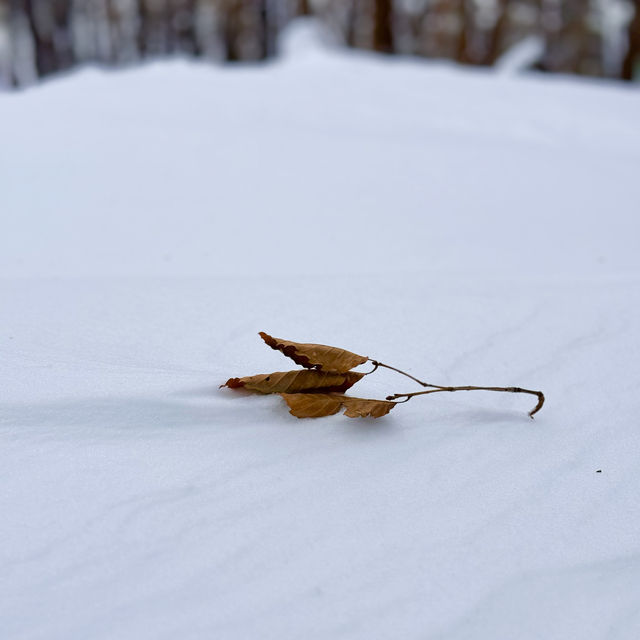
316, 356
360, 408
296, 381
312, 405
319, 405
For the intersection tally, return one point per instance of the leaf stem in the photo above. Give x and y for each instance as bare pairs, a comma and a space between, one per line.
377, 364
375, 367
438, 389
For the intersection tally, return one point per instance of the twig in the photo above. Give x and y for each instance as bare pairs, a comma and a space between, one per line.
535, 410
377, 364
375, 367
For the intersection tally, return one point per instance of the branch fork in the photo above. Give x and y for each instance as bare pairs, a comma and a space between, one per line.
436, 388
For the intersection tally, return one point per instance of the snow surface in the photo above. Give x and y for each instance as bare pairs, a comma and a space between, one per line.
468, 227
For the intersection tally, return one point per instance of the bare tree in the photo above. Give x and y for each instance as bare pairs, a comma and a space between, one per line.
6, 76
633, 47
465, 18
496, 40
303, 9
568, 37
50, 26
383, 26
182, 27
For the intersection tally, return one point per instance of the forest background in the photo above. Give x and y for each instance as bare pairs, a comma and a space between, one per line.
588, 37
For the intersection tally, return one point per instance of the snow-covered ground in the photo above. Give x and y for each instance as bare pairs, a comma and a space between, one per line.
468, 227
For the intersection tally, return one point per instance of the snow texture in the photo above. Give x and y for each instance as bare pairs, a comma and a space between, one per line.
468, 227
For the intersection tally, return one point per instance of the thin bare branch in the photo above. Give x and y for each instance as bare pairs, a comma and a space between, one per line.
403, 373
375, 367
535, 410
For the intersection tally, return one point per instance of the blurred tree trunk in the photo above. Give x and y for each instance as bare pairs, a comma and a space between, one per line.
497, 35
6, 63
550, 25
304, 8
463, 54
272, 25
155, 33
231, 23
123, 24
183, 27
383, 26
577, 36
143, 27
42, 40
50, 25
351, 24
264, 35
633, 47
247, 30
438, 40
566, 29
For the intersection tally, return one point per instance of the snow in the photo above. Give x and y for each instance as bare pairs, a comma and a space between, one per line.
521, 56
468, 227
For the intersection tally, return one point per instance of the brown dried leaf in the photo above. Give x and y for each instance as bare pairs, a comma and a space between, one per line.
316, 356
319, 405
312, 405
296, 381
360, 408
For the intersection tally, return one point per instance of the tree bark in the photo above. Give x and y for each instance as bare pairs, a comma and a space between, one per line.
496, 38
383, 26
463, 54
52, 40
304, 8
143, 27
633, 48
231, 30
183, 27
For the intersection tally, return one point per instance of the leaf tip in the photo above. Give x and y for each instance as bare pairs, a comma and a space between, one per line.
233, 383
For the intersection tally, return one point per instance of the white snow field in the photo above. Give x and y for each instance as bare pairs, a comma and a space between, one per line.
467, 227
